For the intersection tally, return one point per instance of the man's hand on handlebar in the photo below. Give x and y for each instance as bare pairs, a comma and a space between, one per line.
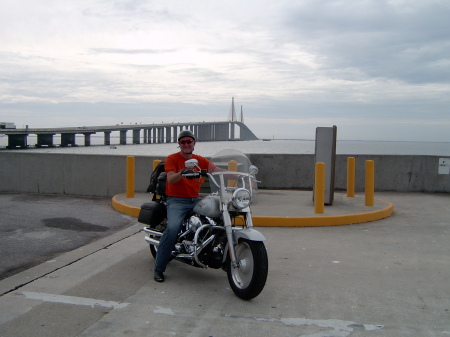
190, 174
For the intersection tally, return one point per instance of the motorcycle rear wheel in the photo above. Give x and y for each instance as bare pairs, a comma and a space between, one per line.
154, 250
248, 280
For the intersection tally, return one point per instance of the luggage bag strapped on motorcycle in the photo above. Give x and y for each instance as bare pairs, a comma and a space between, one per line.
153, 213
157, 184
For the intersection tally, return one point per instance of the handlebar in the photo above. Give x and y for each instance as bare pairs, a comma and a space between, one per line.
204, 173
195, 174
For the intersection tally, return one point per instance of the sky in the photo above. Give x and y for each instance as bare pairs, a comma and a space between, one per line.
378, 70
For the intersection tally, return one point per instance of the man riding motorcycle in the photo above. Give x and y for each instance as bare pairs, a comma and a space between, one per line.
182, 195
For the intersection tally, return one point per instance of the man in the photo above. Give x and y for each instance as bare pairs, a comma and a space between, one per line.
182, 195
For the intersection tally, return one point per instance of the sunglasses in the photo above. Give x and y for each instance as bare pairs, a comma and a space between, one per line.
188, 142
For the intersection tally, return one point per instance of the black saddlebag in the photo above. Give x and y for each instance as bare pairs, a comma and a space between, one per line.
152, 213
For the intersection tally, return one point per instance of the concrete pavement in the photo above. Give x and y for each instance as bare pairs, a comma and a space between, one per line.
383, 278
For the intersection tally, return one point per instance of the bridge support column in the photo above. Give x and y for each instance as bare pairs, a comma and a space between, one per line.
231, 126
123, 137
175, 134
145, 136
45, 140
160, 135
68, 139
136, 136
87, 139
151, 135
107, 138
15, 141
211, 135
168, 134
204, 132
221, 132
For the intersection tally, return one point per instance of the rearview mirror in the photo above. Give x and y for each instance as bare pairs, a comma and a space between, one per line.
253, 169
191, 163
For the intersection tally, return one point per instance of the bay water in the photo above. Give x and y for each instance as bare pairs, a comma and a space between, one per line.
275, 146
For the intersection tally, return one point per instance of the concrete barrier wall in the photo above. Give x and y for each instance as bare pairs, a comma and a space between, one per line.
392, 172
105, 175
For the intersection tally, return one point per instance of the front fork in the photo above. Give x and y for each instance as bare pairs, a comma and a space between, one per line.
230, 238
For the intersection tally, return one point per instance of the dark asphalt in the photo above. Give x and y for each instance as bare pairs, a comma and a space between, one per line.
36, 228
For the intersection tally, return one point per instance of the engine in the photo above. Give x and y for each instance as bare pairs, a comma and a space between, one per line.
202, 233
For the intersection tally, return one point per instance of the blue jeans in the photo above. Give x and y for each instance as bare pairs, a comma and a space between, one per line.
177, 209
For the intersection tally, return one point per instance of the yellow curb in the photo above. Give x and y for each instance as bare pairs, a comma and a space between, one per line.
276, 221
125, 209
317, 221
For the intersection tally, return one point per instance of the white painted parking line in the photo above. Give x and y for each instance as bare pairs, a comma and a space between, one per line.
73, 300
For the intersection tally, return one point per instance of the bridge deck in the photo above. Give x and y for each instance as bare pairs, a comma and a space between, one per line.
147, 133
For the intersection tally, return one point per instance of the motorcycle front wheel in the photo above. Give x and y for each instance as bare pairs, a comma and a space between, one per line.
249, 278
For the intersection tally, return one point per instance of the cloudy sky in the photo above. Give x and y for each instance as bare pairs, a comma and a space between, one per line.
378, 70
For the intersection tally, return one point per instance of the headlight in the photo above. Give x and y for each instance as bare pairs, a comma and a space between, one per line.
241, 198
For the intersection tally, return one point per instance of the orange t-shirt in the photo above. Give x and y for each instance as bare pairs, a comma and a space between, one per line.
185, 188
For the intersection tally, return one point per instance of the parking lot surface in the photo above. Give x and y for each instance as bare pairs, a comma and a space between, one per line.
383, 278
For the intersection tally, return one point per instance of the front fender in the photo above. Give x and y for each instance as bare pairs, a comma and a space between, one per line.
248, 234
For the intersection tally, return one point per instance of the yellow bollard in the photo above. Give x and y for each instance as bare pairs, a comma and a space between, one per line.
370, 182
351, 176
232, 166
130, 177
319, 188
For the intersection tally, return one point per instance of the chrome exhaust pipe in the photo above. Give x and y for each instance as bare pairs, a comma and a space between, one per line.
150, 231
152, 241
184, 256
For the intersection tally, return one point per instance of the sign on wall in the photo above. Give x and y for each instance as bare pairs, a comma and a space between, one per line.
444, 166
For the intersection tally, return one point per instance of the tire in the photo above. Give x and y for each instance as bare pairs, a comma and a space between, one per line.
153, 250
248, 280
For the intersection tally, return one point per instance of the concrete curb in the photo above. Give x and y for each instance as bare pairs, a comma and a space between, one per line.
329, 220
384, 209
124, 208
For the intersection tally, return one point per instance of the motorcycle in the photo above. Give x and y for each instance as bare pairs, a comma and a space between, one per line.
219, 232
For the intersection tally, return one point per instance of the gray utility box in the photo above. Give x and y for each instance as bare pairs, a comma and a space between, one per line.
326, 153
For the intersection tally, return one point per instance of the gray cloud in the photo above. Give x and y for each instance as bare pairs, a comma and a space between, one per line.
292, 65
130, 51
406, 41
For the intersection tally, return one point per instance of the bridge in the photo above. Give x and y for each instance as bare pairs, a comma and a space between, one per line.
142, 133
